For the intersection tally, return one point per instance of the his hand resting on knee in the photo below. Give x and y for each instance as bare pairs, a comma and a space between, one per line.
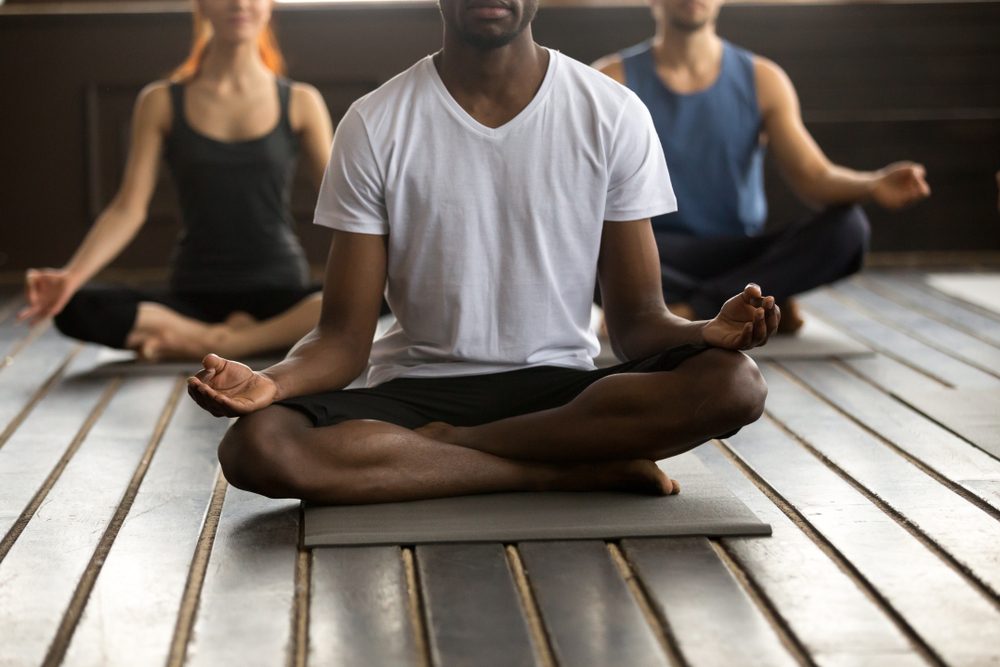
230, 389
746, 320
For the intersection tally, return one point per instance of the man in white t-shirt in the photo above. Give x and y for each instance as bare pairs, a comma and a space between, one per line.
485, 190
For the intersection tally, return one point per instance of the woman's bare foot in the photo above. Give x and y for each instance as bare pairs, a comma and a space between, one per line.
791, 317
240, 320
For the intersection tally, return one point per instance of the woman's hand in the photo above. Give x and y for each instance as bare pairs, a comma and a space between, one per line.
229, 389
47, 292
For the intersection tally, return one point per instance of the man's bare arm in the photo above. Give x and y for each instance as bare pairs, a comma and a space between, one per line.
638, 320
336, 351
813, 177
329, 357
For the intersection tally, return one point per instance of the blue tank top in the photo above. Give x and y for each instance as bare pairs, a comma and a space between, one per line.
711, 141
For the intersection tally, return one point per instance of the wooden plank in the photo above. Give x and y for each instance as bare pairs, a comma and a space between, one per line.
32, 458
458, 582
590, 615
940, 450
935, 333
912, 291
803, 581
703, 605
27, 376
964, 531
961, 625
247, 600
359, 613
40, 575
895, 343
132, 610
973, 414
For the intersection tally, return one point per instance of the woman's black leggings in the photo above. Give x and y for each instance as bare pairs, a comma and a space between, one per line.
704, 272
106, 314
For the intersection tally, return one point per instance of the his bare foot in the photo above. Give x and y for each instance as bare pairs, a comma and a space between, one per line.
791, 317
681, 309
639, 476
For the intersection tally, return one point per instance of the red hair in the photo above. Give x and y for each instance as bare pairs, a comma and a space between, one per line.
201, 36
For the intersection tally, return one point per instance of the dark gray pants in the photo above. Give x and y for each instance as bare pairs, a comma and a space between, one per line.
704, 272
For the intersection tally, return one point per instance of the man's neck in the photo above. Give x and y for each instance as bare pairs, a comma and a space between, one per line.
689, 50
492, 85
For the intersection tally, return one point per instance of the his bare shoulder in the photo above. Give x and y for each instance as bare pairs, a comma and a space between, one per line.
774, 87
612, 65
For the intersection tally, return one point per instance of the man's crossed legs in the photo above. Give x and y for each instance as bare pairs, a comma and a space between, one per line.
527, 430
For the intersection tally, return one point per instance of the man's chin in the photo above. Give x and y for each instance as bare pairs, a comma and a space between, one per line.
489, 40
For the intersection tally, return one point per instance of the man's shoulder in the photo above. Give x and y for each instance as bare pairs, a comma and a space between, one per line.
391, 95
597, 86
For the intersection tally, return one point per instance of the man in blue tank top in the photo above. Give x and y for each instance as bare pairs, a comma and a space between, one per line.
716, 107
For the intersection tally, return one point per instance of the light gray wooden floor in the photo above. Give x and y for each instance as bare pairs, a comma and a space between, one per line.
121, 544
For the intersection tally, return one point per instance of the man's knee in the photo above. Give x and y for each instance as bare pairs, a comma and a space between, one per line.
257, 454
742, 390
850, 234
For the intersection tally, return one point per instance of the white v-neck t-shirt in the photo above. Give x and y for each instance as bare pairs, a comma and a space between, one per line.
493, 233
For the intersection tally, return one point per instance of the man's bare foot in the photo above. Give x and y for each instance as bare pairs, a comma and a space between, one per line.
791, 317
639, 476
681, 309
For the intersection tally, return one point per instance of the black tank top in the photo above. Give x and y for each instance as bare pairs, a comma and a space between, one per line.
237, 230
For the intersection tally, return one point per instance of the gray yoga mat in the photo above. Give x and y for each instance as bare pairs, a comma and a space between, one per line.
980, 289
815, 340
704, 507
974, 414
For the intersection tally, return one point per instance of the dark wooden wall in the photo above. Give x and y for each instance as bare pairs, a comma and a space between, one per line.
878, 82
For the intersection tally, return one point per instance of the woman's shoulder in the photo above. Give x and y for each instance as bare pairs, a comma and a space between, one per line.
153, 104
306, 104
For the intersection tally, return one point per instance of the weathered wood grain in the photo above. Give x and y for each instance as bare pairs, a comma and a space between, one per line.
359, 613
472, 609
28, 375
935, 333
807, 588
958, 527
34, 455
896, 344
247, 600
590, 615
710, 617
132, 610
937, 448
961, 625
914, 293
40, 574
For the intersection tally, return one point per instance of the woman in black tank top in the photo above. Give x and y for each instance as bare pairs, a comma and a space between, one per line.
230, 128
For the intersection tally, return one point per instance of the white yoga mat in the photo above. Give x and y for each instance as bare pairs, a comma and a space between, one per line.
981, 289
815, 340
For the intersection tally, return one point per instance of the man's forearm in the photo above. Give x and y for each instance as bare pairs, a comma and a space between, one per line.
838, 185
654, 333
320, 362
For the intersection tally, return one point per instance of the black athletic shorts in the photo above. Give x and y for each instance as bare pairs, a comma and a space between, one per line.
469, 400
